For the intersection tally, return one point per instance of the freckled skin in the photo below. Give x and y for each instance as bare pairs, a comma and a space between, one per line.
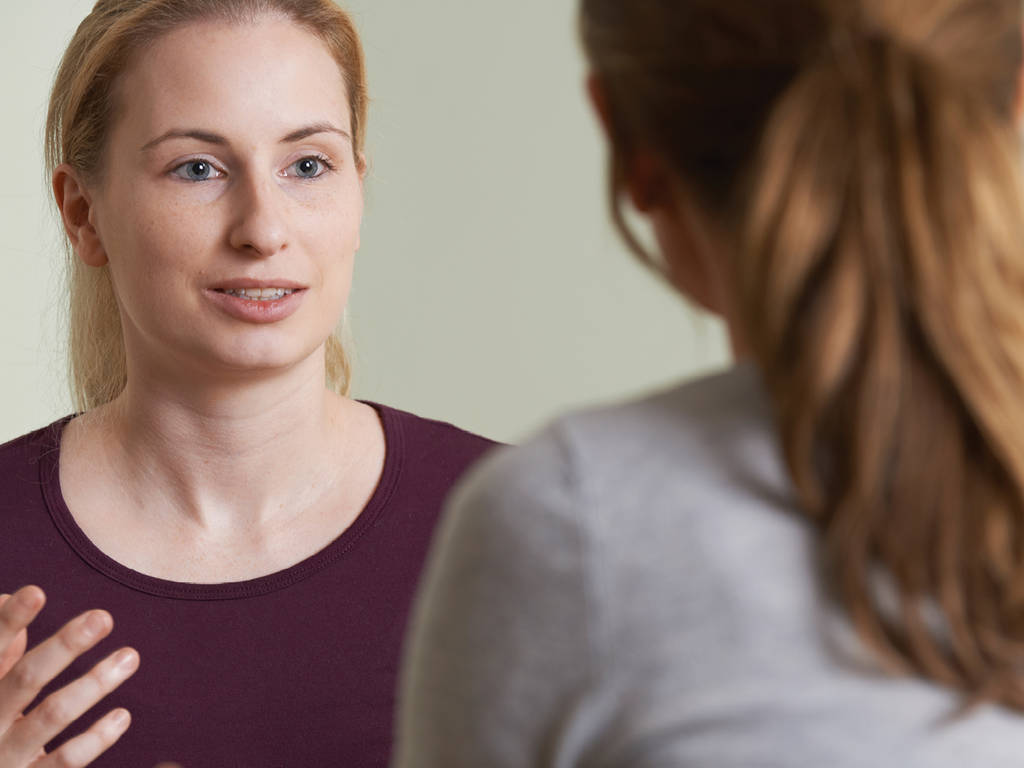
168, 239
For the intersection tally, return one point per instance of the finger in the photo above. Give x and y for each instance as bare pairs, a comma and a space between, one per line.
15, 650
41, 753
17, 612
83, 749
61, 708
39, 666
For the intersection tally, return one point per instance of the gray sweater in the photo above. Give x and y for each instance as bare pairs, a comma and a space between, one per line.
635, 587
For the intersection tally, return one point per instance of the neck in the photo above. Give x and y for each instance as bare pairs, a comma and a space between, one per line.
700, 265
224, 455
729, 312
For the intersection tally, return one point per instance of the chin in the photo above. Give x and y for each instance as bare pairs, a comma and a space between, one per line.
258, 361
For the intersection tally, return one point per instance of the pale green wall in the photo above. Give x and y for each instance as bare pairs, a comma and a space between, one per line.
490, 290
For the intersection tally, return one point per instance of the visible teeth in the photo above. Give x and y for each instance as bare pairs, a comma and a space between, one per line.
260, 294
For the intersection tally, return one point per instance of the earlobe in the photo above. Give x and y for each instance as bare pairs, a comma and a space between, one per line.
647, 181
75, 204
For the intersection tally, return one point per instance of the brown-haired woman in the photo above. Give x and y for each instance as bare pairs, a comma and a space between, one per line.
256, 534
817, 558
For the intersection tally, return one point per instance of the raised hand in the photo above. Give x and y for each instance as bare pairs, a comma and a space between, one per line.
24, 674
15, 649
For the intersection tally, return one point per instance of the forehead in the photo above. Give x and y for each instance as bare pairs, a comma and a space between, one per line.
267, 75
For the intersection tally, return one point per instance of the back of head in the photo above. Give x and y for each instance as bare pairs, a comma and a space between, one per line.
864, 156
83, 108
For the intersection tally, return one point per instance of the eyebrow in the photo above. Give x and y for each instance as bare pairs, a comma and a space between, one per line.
313, 129
208, 137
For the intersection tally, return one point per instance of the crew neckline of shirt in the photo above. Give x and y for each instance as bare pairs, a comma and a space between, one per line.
49, 477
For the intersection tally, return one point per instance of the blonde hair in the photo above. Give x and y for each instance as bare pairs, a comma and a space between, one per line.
866, 155
82, 109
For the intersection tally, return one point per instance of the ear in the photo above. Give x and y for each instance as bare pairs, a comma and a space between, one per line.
363, 165
648, 180
645, 175
77, 213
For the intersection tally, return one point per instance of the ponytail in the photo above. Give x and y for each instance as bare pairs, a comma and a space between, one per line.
882, 287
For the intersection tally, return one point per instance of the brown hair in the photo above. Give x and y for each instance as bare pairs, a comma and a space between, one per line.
864, 153
82, 109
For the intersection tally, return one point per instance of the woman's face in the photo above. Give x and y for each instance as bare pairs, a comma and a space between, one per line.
230, 202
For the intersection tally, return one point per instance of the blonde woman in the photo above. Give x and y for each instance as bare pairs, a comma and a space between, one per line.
256, 534
816, 558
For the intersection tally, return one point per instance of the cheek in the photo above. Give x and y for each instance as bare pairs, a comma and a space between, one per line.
153, 231
337, 265
336, 233
340, 272
155, 254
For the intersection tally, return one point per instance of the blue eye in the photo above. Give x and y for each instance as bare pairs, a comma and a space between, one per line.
310, 167
196, 170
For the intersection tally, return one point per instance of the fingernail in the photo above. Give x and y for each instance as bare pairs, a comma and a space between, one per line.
31, 597
121, 718
95, 623
126, 660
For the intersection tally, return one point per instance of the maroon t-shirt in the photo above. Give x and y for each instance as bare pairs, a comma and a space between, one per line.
297, 668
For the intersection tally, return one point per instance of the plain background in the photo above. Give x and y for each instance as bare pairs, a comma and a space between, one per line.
490, 291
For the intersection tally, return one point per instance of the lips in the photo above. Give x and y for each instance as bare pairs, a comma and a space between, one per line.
257, 301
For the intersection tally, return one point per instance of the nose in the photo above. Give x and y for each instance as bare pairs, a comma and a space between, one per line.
260, 223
